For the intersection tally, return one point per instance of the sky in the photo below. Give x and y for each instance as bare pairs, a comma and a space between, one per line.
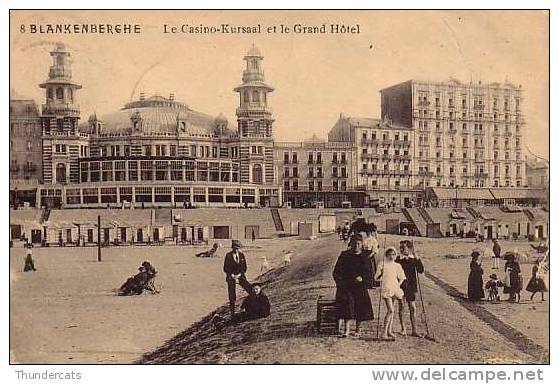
316, 76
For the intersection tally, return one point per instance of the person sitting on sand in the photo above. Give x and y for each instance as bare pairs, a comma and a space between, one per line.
29, 263
492, 286
256, 305
209, 253
392, 276
140, 282
151, 272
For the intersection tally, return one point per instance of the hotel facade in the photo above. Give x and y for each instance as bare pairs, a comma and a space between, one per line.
466, 135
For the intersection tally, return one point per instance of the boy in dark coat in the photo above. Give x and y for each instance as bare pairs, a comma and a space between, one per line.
235, 267
256, 305
411, 265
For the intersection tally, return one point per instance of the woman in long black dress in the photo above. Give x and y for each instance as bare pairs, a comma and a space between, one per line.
352, 275
537, 283
475, 279
512, 268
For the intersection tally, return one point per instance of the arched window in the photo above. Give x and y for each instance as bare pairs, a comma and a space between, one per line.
59, 93
59, 60
246, 97
257, 174
49, 93
255, 96
60, 173
71, 94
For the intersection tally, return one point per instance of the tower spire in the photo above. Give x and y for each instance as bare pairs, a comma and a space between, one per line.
59, 86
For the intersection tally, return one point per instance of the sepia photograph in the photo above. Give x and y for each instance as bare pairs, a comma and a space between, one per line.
279, 187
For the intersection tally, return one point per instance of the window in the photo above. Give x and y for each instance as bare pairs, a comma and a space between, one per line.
295, 172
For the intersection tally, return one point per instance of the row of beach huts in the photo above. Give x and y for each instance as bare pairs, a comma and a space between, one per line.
78, 227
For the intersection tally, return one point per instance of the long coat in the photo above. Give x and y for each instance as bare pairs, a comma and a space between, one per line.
515, 285
475, 282
352, 297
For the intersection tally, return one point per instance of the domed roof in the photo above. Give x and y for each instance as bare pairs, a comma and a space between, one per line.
159, 115
254, 52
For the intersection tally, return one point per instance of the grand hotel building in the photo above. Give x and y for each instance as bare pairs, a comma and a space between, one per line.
156, 151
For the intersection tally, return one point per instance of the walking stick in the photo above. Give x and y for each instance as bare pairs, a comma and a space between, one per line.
380, 290
428, 336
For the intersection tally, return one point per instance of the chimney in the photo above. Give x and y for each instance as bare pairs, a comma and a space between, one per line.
172, 96
142, 96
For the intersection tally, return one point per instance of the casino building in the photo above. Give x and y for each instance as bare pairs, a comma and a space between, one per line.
156, 151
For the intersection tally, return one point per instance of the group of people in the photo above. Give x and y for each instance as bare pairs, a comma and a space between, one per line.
256, 304
356, 271
512, 283
143, 281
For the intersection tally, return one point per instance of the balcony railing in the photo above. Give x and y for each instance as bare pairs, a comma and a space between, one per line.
425, 173
370, 141
373, 156
402, 142
386, 141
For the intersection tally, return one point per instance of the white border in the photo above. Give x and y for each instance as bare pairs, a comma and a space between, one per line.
263, 374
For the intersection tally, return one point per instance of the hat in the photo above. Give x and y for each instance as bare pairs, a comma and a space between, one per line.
493, 276
236, 243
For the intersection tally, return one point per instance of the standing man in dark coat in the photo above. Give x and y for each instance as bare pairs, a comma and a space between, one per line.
496, 253
235, 267
411, 265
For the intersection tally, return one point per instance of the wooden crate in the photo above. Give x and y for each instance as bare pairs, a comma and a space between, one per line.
326, 318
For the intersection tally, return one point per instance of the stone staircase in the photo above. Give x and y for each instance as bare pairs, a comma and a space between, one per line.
475, 214
413, 216
425, 215
529, 214
277, 220
45, 214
